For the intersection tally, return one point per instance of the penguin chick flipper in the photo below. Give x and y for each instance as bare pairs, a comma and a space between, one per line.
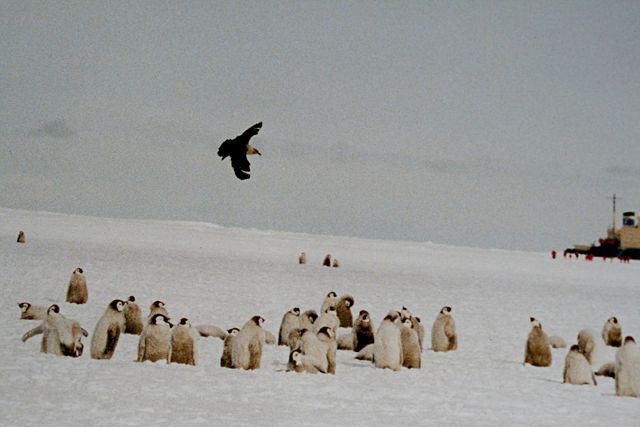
113, 334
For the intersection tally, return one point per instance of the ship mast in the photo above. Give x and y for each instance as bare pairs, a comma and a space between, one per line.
613, 223
614, 212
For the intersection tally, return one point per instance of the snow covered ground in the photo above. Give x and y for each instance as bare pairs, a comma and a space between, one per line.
223, 276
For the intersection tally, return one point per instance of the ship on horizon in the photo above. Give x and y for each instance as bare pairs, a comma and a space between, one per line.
623, 242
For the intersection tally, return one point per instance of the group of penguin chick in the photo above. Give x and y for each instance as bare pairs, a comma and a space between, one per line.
577, 366
312, 338
326, 261
159, 339
397, 343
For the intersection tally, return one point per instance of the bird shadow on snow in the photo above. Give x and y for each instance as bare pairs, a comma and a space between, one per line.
356, 364
279, 366
507, 362
547, 380
612, 395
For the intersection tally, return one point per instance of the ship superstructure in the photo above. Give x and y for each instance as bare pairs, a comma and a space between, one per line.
623, 242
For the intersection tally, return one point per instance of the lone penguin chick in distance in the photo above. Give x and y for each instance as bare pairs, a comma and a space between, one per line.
443, 332
77, 292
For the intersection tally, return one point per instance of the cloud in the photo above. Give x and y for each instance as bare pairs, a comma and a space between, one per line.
623, 171
55, 129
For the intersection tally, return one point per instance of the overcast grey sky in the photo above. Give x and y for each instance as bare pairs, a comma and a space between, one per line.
501, 124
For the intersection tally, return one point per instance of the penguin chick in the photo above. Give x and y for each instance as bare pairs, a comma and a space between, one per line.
576, 368
32, 312
366, 353
77, 292
612, 332
211, 331
607, 370
307, 319
295, 338
537, 349
628, 369
387, 348
184, 340
60, 336
155, 339
132, 317
557, 342
589, 344
326, 262
246, 352
315, 350
411, 353
343, 310
299, 362
327, 336
225, 359
157, 307
107, 332
331, 300
45, 328
345, 341
443, 332
419, 328
290, 321
405, 314
269, 338
328, 318
363, 334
